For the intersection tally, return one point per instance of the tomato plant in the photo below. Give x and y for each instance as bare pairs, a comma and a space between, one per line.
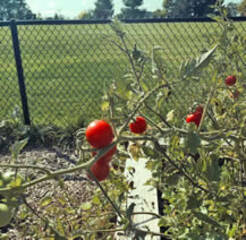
198, 169
99, 133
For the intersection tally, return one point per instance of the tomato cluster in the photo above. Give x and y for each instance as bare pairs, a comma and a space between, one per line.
100, 134
196, 116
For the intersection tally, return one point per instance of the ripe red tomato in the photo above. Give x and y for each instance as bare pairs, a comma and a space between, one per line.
100, 171
106, 158
195, 116
190, 118
230, 80
139, 126
199, 108
99, 133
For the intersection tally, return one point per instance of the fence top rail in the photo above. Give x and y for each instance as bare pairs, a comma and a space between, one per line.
128, 21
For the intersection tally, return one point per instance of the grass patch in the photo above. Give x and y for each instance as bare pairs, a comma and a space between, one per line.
67, 67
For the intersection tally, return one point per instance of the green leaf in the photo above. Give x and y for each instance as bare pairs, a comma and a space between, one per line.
211, 168
46, 201
193, 66
233, 230
193, 202
136, 54
16, 182
86, 206
105, 106
62, 201
173, 179
170, 116
150, 152
204, 59
96, 200
18, 147
206, 218
130, 210
192, 142
135, 151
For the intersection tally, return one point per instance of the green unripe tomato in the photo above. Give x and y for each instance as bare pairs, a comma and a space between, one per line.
7, 177
5, 214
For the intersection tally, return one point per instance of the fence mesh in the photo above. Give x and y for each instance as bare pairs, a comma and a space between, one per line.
9, 89
67, 67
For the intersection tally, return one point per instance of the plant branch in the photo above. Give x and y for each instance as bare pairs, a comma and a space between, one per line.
163, 151
55, 174
158, 114
111, 111
99, 230
116, 208
150, 232
131, 62
212, 91
19, 166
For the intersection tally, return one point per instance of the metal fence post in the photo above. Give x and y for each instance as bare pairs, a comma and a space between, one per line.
20, 74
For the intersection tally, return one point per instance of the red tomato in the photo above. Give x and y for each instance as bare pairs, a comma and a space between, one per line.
190, 118
194, 117
230, 80
100, 171
106, 158
198, 120
99, 134
139, 126
199, 108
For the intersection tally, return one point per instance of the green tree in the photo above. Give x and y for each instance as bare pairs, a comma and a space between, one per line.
242, 8
188, 8
232, 9
103, 9
15, 9
131, 9
159, 13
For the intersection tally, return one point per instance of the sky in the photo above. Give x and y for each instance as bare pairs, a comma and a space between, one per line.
72, 8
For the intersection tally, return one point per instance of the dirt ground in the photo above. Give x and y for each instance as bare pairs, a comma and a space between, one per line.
76, 186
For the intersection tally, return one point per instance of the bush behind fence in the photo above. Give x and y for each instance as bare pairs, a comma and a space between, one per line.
56, 72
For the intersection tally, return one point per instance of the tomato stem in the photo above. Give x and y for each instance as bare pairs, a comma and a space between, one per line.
116, 208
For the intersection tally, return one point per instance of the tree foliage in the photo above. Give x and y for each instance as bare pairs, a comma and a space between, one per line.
131, 10
232, 9
133, 3
188, 8
15, 9
103, 9
242, 8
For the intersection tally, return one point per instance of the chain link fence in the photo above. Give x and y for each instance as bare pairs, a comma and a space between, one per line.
67, 65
